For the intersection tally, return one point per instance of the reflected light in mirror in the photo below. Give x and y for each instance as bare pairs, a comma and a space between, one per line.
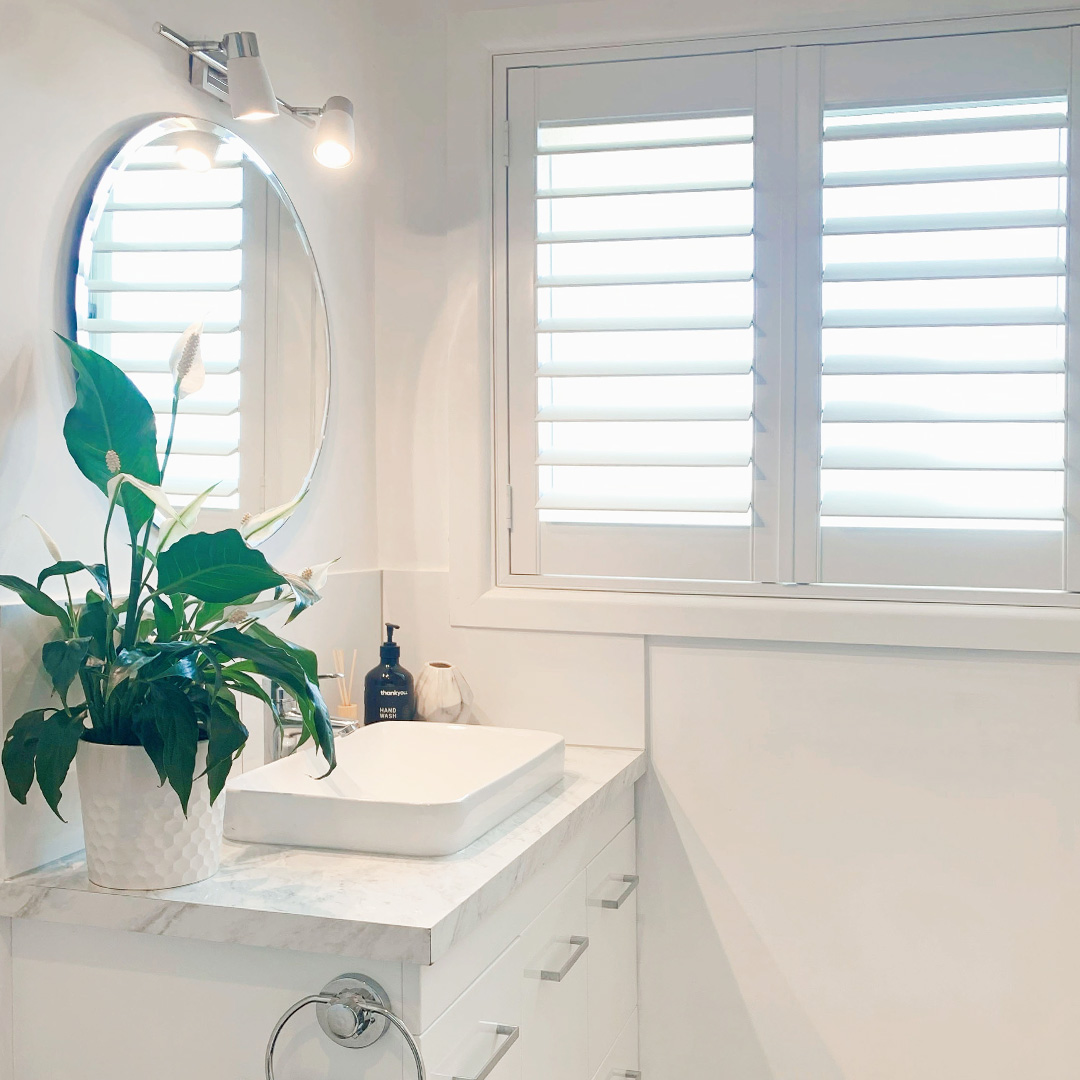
197, 150
335, 137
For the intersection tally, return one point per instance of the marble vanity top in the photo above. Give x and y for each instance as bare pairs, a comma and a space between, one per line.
382, 907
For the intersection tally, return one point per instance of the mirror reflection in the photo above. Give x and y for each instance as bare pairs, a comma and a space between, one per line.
187, 223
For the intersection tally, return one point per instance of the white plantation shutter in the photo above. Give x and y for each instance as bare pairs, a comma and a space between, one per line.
943, 324
796, 317
168, 250
636, 292
644, 320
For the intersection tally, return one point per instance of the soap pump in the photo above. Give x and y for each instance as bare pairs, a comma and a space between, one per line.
388, 688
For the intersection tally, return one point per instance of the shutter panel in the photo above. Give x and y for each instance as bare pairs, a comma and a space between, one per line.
943, 344
645, 308
167, 252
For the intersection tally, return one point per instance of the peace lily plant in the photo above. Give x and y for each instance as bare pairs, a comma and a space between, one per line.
161, 649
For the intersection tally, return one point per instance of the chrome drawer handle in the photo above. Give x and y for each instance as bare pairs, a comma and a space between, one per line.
632, 881
511, 1034
628, 1074
549, 975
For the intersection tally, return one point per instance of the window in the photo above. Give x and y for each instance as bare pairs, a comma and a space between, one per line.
790, 317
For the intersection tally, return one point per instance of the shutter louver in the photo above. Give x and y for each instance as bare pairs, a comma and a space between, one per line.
644, 328
943, 319
168, 251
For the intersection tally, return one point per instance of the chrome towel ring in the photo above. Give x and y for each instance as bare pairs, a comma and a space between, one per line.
354, 1011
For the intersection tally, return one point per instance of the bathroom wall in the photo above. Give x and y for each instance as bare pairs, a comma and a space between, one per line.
78, 74
858, 863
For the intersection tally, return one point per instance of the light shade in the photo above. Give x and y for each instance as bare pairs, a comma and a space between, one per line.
250, 94
196, 150
335, 136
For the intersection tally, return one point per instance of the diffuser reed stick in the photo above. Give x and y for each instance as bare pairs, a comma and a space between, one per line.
345, 688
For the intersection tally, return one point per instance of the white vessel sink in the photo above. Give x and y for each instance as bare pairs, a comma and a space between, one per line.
400, 788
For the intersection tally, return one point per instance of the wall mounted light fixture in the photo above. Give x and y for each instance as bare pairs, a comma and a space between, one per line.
232, 70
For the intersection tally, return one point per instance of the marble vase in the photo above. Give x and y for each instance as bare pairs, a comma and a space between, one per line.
137, 835
442, 695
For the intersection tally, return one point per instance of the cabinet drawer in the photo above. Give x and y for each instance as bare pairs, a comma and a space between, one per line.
622, 1063
612, 930
553, 972
478, 1037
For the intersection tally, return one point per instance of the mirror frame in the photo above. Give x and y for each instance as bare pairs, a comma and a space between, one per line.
101, 181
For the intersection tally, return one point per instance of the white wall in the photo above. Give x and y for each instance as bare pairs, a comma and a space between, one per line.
78, 76
858, 864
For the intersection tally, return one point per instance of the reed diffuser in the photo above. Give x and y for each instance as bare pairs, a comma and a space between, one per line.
347, 710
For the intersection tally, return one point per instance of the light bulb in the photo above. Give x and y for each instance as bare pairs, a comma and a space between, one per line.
196, 150
251, 96
335, 136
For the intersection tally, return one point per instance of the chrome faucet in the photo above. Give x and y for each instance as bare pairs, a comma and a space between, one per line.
285, 735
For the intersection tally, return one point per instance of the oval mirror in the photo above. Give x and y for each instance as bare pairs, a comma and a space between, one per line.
187, 223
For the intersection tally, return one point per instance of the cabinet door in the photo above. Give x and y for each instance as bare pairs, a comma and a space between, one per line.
612, 922
554, 990
622, 1062
478, 1037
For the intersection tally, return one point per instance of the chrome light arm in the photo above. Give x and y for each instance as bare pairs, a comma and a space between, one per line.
211, 53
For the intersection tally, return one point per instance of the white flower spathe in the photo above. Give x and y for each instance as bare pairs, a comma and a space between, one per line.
50, 543
309, 583
236, 614
186, 362
185, 519
256, 527
174, 524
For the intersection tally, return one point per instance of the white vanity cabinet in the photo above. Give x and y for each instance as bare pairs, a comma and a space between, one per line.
611, 906
513, 959
559, 1003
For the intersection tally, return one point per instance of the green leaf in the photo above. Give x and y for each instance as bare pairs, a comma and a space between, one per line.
287, 669
227, 738
215, 567
71, 566
111, 414
150, 661
58, 739
145, 724
97, 621
20, 751
237, 678
179, 729
62, 660
36, 600
308, 660
166, 618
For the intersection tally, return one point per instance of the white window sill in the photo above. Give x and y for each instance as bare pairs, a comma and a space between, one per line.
999, 627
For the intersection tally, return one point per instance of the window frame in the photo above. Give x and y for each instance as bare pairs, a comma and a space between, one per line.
481, 593
794, 475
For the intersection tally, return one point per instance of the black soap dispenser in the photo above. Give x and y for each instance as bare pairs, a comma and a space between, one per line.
388, 689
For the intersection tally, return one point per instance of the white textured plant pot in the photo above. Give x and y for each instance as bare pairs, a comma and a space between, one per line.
137, 836
442, 694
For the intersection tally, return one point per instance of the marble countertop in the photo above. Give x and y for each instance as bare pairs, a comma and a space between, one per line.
376, 906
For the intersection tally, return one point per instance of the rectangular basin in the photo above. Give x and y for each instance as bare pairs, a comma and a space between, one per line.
400, 788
